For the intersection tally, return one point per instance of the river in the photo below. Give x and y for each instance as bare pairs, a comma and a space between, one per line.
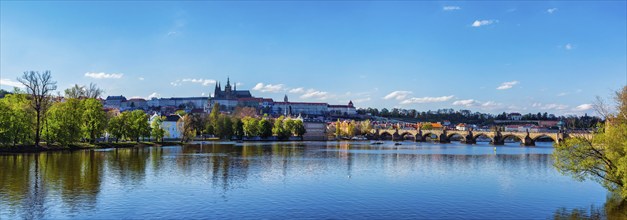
320, 180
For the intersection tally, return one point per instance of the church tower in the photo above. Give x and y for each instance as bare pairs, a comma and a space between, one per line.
285, 98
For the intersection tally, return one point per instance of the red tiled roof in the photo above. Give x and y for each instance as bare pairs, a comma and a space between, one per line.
301, 103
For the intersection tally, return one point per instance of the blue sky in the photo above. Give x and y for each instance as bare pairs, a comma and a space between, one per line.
553, 56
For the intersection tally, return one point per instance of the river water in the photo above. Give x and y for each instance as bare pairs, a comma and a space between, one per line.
319, 180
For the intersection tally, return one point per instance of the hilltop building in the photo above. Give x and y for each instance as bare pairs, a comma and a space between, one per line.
231, 98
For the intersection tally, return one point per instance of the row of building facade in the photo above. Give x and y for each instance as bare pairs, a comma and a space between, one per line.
229, 99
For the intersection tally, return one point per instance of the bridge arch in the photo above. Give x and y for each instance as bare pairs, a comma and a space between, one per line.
515, 137
478, 135
451, 135
430, 135
386, 135
536, 138
408, 136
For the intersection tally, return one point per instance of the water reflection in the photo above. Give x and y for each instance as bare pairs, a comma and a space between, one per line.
614, 208
334, 176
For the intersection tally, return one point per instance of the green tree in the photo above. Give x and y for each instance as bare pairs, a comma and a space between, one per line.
365, 127
427, 126
157, 128
602, 158
186, 127
94, 119
117, 127
213, 118
338, 128
251, 126
61, 123
224, 127
288, 125
16, 124
238, 127
137, 124
350, 130
180, 112
279, 130
299, 128
265, 128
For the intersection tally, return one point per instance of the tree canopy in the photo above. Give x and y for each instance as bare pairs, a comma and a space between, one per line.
603, 158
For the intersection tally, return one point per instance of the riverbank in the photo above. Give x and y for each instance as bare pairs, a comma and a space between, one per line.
80, 146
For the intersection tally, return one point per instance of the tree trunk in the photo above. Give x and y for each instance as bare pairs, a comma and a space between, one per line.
37, 128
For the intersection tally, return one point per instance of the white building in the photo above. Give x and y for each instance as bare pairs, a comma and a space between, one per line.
462, 127
172, 131
343, 109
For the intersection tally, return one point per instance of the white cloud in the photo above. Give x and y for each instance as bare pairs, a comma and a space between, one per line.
104, 75
490, 104
154, 95
315, 94
551, 10
507, 85
141, 78
204, 82
398, 95
176, 83
451, 8
479, 23
562, 94
172, 33
426, 100
11, 83
239, 84
467, 102
554, 106
361, 100
583, 107
551, 106
569, 47
297, 90
269, 87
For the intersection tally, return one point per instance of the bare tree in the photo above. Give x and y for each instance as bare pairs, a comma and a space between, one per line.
81, 92
38, 86
93, 91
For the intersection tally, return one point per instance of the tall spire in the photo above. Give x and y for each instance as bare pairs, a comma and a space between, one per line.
228, 82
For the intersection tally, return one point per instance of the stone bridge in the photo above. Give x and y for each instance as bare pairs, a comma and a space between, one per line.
470, 137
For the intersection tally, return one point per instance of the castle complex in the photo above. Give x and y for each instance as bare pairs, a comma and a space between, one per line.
230, 98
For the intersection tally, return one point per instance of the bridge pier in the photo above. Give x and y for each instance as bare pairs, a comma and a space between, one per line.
469, 140
527, 141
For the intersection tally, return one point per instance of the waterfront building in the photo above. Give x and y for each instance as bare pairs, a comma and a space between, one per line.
461, 127
343, 110
316, 131
172, 131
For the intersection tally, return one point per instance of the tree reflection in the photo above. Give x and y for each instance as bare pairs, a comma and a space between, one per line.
28, 179
614, 208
